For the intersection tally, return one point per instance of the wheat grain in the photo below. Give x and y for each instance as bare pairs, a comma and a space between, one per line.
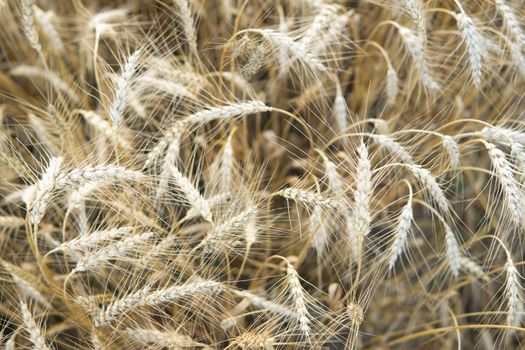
187, 25
475, 44
53, 77
452, 148
11, 221
36, 336
28, 23
146, 297
123, 89
44, 191
299, 299
320, 231
84, 243
511, 21
513, 294
340, 109
392, 84
308, 198
402, 233
171, 340
48, 28
511, 190
227, 112
192, 194
471, 267
116, 250
394, 147
363, 192
453, 252
220, 232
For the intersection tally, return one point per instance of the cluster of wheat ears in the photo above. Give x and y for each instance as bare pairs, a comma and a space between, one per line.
262, 174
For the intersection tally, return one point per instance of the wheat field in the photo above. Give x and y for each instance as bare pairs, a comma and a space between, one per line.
262, 174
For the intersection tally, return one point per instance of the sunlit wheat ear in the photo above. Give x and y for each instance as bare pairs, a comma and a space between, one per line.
50, 76
187, 25
309, 198
26, 283
402, 232
475, 44
362, 217
517, 152
340, 108
518, 59
267, 305
320, 230
146, 297
321, 22
191, 194
293, 48
227, 165
28, 23
117, 250
254, 341
218, 236
335, 183
172, 141
44, 191
470, 267
453, 152
511, 22
227, 112
255, 62
100, 173
171, 340
414, 10
299, 299
96, 342
429, 182
502, 134
11, 221
392, 146
123, 89
415, 46
43, 134
36, 335
392, 84
83, 243
103, 127
214, 201
453, 252
512, 194
513, 293
44, 21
